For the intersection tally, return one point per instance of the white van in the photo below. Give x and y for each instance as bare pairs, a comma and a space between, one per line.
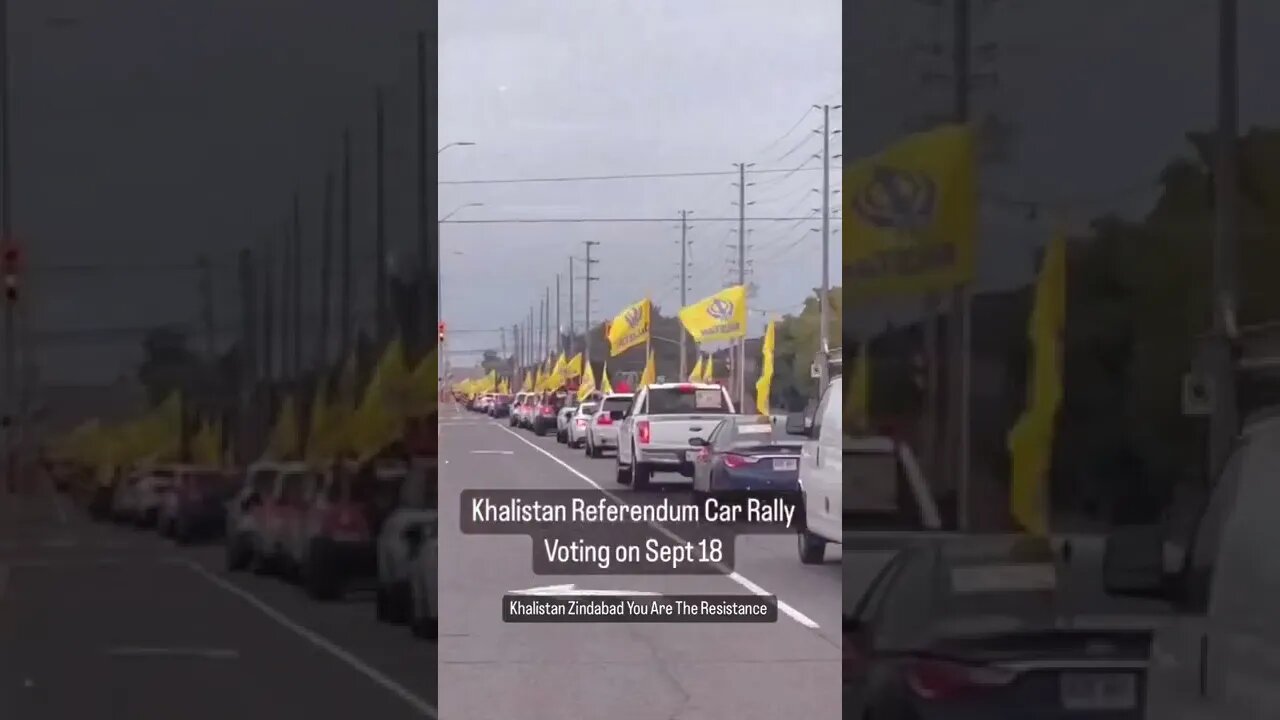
1219, 657
887, 492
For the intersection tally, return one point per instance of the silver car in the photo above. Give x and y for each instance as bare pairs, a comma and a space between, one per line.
576, 433
563, 420
415, 508
602, 430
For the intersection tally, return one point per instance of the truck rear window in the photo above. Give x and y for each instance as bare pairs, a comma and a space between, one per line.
616, 403
674, 401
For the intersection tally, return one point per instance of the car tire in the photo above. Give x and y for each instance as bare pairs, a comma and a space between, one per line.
319, 576
394, 603
539, 430
595, 451
641, 473
237, 558
259, 563
811, 548
623, 473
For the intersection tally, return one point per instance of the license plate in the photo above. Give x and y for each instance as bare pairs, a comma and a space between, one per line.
1099, 691
779, 464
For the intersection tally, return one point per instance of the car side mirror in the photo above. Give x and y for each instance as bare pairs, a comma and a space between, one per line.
698, 442
795, 424
1133, 563
617, 414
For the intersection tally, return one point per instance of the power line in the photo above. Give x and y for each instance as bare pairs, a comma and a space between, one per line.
527, 221
627, 176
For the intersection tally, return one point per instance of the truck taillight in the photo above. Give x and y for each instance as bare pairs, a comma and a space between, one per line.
642, 428
604, 420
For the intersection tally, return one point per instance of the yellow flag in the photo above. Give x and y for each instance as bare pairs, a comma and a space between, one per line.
717, 318
284, 441
630, 328
206, 446
573, 368
696, 375
318, 440
1031, 439
605, 387
588, 384
709, 369
379, 419
650, 374
527, 385
766, 370
911, 217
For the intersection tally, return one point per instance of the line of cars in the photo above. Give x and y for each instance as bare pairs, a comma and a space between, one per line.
334, 529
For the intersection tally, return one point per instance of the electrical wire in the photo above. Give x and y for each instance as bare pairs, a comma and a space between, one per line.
538, 221
622, 176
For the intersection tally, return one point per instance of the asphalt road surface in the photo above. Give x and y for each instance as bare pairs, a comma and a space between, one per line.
705, 671
99, 621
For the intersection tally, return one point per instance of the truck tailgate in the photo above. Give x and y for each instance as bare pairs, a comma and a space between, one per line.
674, 431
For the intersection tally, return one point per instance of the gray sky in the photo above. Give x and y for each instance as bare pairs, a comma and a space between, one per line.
601, 87
148, 133
1099, 93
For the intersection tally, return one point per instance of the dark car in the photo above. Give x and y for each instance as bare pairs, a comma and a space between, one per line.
500, 407
196, 508
543, 417
346, 517
747, 455
977, 627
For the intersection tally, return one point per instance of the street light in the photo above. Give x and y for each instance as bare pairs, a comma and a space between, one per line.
440, 276
446, 146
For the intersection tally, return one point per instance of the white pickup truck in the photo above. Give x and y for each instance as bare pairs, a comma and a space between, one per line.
654, 433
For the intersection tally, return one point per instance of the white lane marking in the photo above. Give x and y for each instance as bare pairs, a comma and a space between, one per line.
205, 653
417, 703
571, 589
752, 587
493, 452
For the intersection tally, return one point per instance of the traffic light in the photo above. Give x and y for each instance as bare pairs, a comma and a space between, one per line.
11, 262
440, 330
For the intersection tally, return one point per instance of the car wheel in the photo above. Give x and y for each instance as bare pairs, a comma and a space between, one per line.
421, 624
237, 559
594, 451
812, 549
622, 472
640, 473
319, 575
259, 563
394, 603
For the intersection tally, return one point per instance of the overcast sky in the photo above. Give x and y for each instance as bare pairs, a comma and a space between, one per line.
602, 87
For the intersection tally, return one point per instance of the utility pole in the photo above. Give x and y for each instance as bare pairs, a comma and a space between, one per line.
380, 227
297, 285
546, 322
428, 260
824, 306
326, 270
573, 342
516, 350
206, 305
1223, 420
959, 330
684, 286
268, 312
245, 427
286, 304
346, 336
533, 339
7, 239
586, 310
559, 332
742, 278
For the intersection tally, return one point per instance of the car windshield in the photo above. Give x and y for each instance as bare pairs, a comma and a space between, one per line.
615, 403
687, 401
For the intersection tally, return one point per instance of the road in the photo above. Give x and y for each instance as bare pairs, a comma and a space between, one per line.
490, 669
99, 621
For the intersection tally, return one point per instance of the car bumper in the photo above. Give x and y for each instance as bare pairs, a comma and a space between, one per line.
663, 458
604, 439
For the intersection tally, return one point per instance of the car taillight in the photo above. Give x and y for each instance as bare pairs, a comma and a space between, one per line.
942, 680
685, 389
604, 420
736, 461
547, 410
642, 427
346, 521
